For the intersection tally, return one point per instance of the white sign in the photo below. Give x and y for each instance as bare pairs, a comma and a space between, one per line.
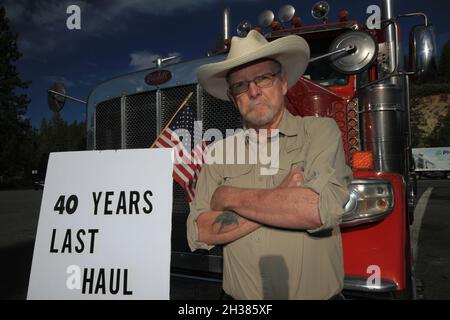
432, 159
104, 226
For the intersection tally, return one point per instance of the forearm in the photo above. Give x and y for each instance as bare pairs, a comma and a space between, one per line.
293, 207
219, 227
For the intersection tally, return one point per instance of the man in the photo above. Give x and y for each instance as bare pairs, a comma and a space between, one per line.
280, 232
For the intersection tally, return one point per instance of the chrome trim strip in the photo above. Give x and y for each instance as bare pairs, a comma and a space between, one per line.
158, 112
360, 284
382, 107
369, 181
123, 122
199, 103
356, 222
94, 129
180, 275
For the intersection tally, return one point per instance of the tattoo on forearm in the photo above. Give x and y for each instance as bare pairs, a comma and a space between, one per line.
228, 217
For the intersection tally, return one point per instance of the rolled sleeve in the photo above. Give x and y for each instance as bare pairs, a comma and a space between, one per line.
326, 172
207, 183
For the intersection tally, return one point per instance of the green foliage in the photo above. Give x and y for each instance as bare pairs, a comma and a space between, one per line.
22, 148
16, 134
418, 135
57, 135
440, 136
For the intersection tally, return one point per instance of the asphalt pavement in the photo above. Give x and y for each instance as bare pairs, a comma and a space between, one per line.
433, 259
19, 214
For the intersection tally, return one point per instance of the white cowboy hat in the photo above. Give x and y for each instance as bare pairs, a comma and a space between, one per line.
292, 52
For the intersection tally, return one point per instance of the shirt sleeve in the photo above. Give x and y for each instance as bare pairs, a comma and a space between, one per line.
207, 183
326, 171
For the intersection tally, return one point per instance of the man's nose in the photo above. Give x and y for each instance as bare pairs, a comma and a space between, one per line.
253, 89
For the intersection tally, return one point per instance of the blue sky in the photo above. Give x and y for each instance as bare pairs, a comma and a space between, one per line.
122, 36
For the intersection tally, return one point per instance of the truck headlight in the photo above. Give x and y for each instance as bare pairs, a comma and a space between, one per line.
370, 200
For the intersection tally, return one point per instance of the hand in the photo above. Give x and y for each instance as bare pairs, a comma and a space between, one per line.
295, 178
219, 198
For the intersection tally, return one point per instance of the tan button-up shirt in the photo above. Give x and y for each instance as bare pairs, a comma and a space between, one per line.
274, 263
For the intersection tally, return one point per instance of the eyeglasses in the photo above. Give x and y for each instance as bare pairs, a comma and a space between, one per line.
262, 81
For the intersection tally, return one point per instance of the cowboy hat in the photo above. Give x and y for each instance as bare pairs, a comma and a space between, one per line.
292, 52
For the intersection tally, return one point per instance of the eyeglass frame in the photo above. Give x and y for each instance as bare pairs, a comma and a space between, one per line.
272, 74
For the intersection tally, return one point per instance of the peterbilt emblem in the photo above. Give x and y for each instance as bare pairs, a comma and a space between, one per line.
158, 77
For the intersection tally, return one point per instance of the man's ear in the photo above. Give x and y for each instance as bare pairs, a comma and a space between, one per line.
284, 83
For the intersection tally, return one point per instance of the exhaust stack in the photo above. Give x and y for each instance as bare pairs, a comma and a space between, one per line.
384, 126
226, 25
388, 13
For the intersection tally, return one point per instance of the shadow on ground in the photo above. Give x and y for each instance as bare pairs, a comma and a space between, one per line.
15, 269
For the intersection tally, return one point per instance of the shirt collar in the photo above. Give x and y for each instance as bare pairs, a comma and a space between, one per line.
287, 127
288, 124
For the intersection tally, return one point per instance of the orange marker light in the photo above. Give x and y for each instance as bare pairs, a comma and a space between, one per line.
362, 160
343, 15
296, 22
275, 25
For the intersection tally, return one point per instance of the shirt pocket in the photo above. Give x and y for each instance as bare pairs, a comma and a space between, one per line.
238, 176
287, 165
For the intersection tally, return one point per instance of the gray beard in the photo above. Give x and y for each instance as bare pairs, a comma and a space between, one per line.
260, 121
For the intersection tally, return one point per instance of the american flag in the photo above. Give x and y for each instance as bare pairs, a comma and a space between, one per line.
187, 165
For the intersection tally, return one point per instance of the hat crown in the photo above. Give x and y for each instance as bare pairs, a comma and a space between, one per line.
239, 46
292, 52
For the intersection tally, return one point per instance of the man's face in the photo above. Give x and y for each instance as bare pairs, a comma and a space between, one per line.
260, 107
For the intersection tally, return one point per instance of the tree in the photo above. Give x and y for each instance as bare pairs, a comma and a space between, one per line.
418, 135
15, 130
439, 137
56, 135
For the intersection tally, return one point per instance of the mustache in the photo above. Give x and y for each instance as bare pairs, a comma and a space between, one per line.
253, 103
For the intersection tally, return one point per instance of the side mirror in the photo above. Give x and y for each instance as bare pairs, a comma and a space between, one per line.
56, 96
362, 55
423, 53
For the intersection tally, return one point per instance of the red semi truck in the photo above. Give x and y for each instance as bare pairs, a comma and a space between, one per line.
355, 76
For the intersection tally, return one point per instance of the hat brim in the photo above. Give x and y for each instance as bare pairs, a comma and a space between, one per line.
292, 52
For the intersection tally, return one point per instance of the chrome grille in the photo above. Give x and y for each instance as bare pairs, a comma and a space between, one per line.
108, 125
144, 115
141, 122
219, 114
180, 211
171, 100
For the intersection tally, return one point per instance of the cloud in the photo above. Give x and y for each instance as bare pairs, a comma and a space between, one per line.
15, 10
96, 14
29, 45
144, 59
40, 19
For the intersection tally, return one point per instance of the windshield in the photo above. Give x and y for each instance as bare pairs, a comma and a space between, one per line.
321, 71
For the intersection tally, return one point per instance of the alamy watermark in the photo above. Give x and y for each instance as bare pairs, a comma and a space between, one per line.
374, 280
374, 20
237, 147
73, 22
